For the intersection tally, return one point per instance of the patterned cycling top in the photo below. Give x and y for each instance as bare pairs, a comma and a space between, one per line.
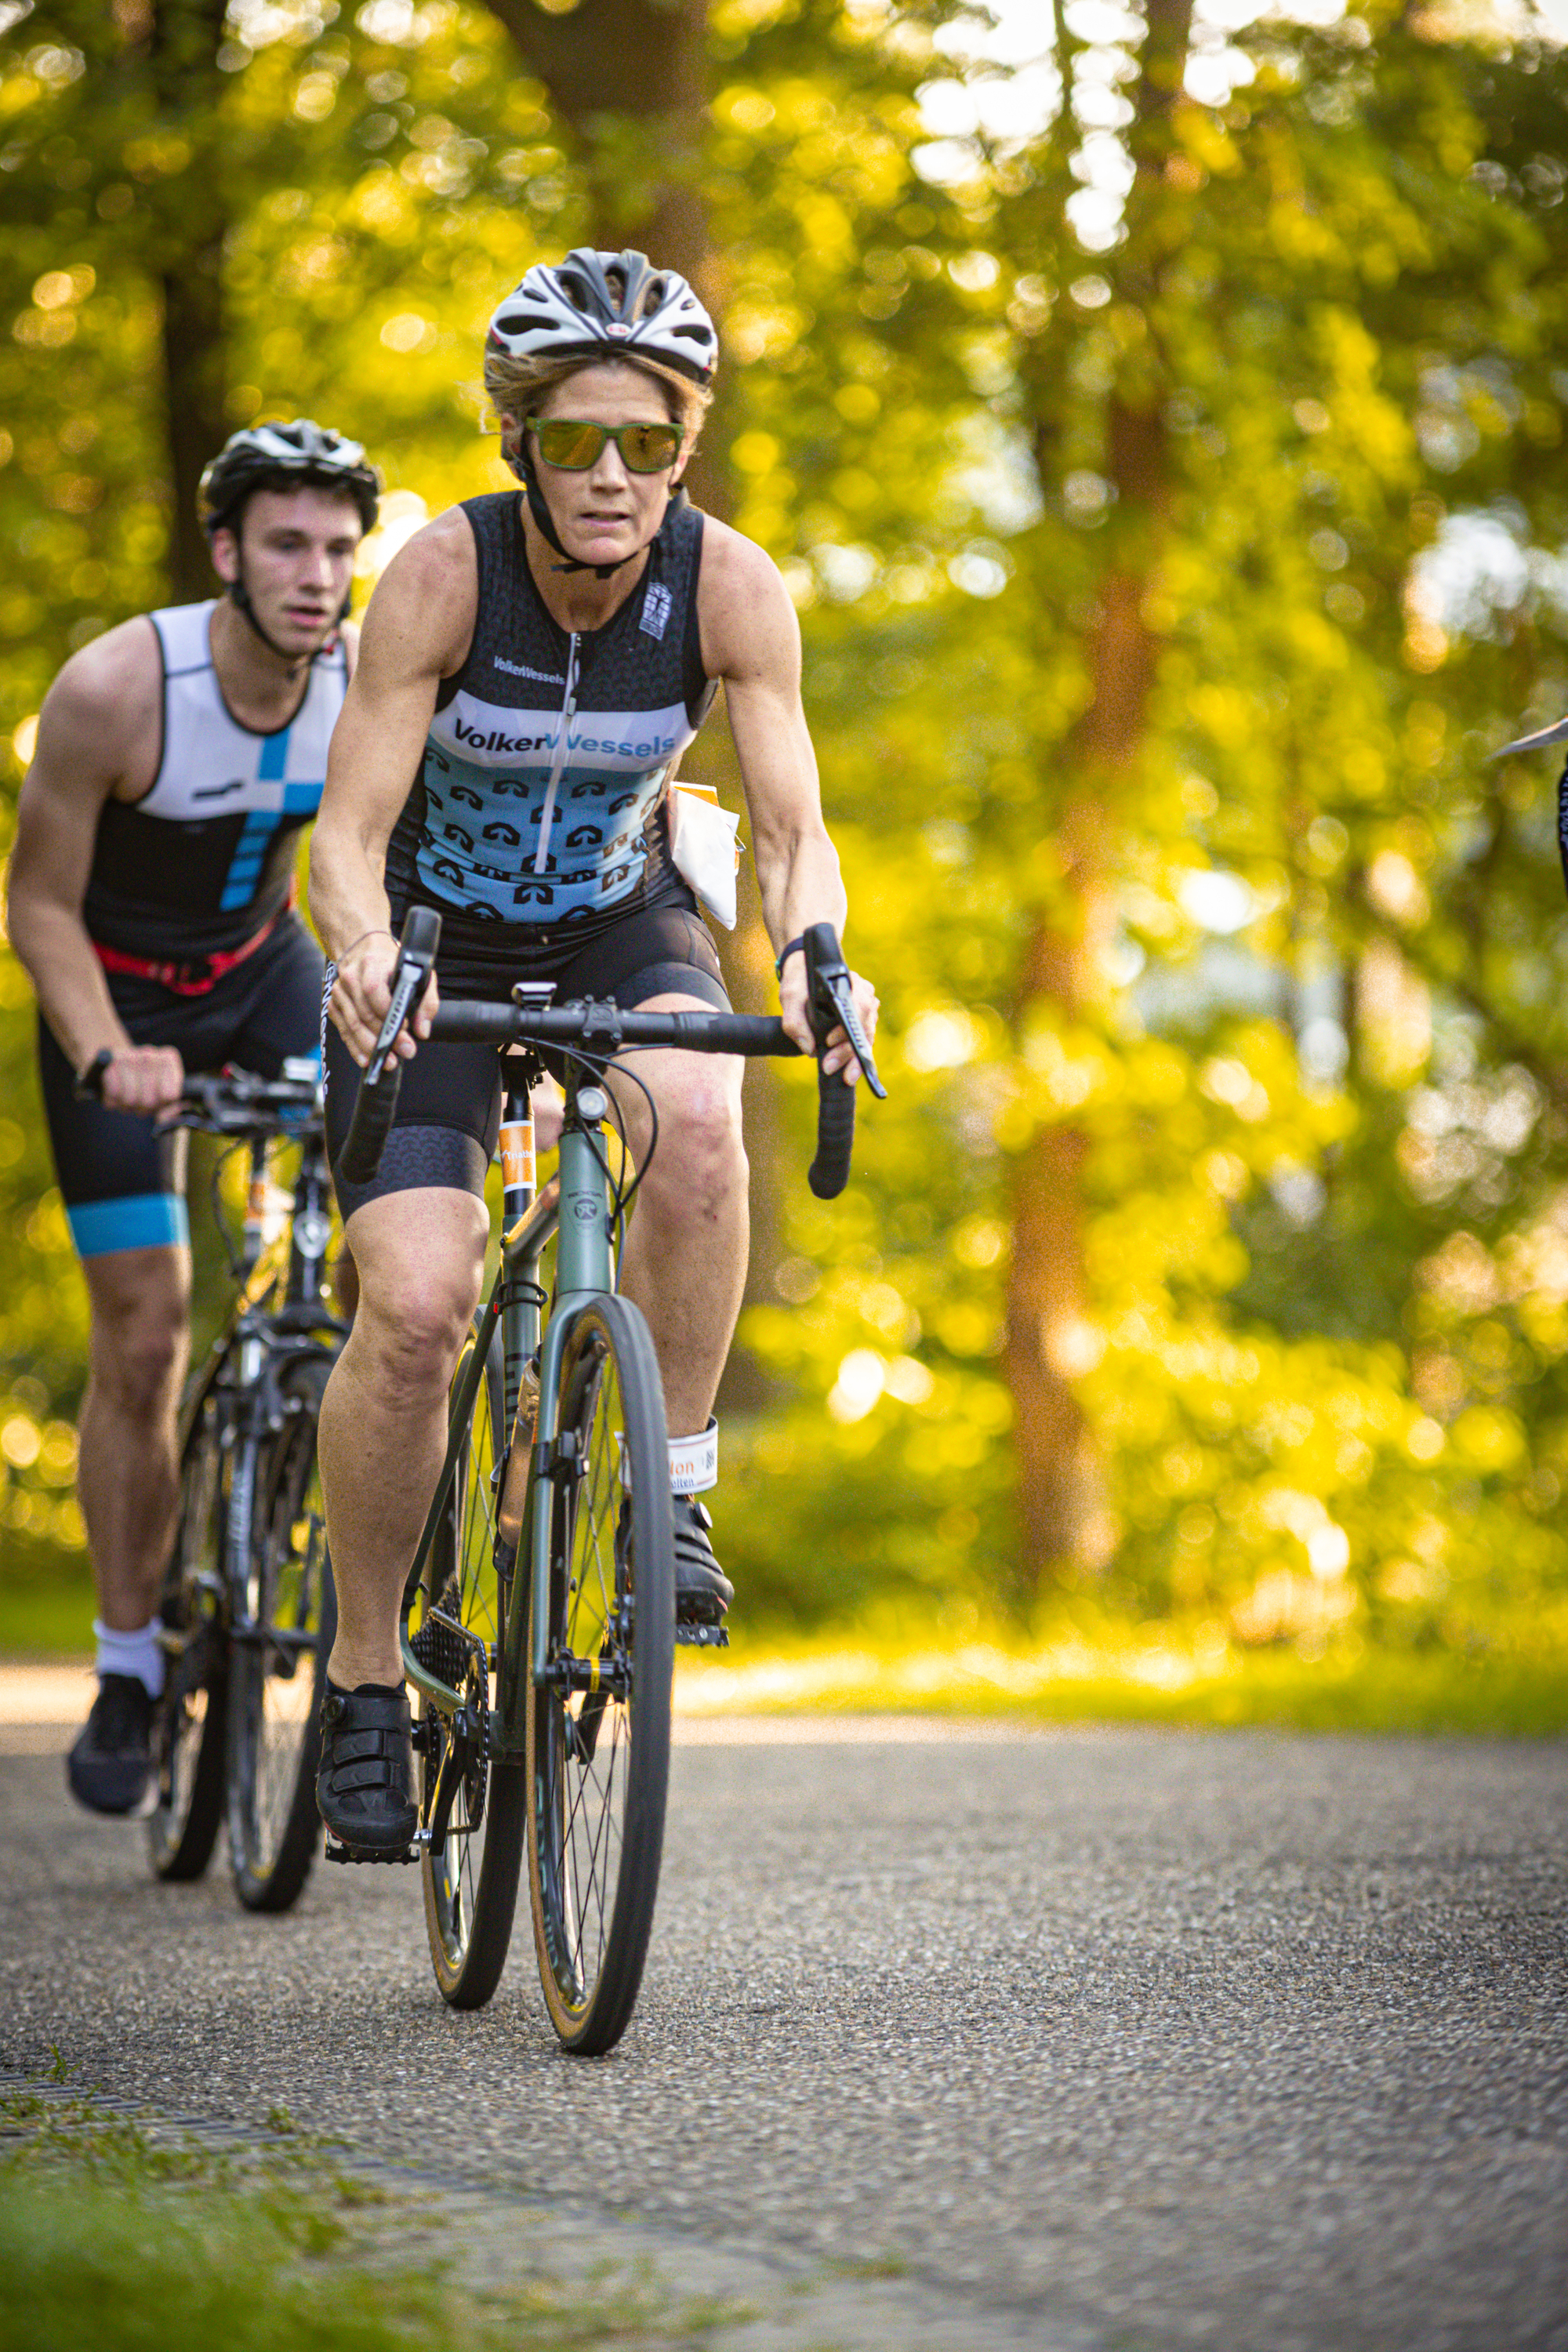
206, 858
540, 798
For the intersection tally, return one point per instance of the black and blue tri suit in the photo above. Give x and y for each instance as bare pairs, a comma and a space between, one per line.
538, 828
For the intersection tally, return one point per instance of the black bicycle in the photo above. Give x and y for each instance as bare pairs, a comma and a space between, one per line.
246, 1607
544, 1578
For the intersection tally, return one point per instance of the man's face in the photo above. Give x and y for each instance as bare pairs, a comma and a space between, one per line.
607, 513
298, 560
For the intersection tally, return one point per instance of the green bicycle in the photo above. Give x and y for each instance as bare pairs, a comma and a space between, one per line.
539, 1621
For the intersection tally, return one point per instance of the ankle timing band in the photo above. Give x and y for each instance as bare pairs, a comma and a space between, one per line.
694, 1461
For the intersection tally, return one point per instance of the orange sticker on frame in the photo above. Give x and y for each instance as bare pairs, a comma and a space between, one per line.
518, 1164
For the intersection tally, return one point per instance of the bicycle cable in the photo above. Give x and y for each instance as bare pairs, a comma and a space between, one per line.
621, 1194
624, 1194
625, 1197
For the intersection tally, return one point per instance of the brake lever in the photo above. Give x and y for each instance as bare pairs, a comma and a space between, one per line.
840, 1001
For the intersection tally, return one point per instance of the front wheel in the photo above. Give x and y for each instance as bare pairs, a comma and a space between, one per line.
188, 1719
597, 1729
279, 1661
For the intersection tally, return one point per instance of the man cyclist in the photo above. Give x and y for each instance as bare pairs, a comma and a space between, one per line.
532, 671
150, 896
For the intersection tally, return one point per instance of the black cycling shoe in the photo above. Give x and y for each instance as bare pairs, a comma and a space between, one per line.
110, 1764
363, 1789
702, 1591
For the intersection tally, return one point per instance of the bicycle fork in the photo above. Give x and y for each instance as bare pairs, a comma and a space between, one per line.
583, 1269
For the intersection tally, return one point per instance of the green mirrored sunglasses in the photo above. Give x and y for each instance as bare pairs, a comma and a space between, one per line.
574, 444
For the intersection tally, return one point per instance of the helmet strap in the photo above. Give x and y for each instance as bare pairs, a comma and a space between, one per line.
546, 522
239, 596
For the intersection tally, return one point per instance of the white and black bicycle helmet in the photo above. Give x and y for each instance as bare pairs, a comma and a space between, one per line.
597, 306
601, 306
302, 455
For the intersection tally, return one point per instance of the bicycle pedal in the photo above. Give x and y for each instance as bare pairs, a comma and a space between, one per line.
703, 1637
336, 1850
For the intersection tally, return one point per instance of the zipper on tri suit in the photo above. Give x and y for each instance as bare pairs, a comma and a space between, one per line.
558, 757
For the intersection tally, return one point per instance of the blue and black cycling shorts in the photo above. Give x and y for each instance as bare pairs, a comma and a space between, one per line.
122, 1177
448, 1105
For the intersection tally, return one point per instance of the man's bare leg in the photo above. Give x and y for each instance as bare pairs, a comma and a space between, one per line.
128, 1475
686, 1252
420, 1259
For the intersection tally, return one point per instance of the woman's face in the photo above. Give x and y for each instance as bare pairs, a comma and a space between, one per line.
607, 513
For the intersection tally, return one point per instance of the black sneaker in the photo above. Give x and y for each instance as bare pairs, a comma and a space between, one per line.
110, 1764
363, 1789
702, 1591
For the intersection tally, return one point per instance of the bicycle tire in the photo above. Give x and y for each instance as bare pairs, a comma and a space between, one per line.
188, 1736
470, 1886
610, 1602
274, 1732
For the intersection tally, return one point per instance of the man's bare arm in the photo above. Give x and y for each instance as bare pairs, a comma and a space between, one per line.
416, 632
97, 731
751, 639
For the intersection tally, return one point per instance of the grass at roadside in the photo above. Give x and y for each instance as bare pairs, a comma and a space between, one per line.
117, 2235
46, 1605
1090, 1668
1097, 1670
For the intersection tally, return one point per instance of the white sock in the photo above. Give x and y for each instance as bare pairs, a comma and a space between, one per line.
694, 1461
132, 1653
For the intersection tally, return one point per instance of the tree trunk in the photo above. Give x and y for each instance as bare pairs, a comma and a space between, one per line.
182, 58
610, 66
1063, 1525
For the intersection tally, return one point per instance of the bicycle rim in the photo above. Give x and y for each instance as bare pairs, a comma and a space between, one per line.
188, 1720
470, 1885
598, 1729
276, 1680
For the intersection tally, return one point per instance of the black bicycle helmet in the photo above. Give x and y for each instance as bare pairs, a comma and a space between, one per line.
286, 456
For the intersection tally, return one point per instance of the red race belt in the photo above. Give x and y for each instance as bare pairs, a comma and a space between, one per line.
195, 979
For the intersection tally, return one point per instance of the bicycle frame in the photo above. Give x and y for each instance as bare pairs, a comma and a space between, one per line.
580, 1218
254, 1344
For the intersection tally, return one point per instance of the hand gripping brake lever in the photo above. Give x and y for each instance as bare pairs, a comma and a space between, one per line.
376, 1105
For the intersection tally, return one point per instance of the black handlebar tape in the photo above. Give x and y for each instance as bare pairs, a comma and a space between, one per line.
376, 1105
829, 1171
586, 1023
89, 1084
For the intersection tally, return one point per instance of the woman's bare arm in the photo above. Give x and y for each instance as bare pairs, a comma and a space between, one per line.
416, 632
751, 639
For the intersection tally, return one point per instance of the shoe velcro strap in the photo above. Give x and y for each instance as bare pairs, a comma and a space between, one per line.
366, 1710
347, 1745
374, 1772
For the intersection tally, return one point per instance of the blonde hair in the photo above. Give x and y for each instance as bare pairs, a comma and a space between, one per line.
515, 387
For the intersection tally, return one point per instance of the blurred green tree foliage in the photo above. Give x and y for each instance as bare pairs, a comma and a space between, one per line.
1164, 443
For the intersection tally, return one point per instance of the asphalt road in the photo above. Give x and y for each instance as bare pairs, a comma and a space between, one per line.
1088, 2039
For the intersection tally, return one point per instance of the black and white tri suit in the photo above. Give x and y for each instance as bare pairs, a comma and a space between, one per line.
538, 828
188, 905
